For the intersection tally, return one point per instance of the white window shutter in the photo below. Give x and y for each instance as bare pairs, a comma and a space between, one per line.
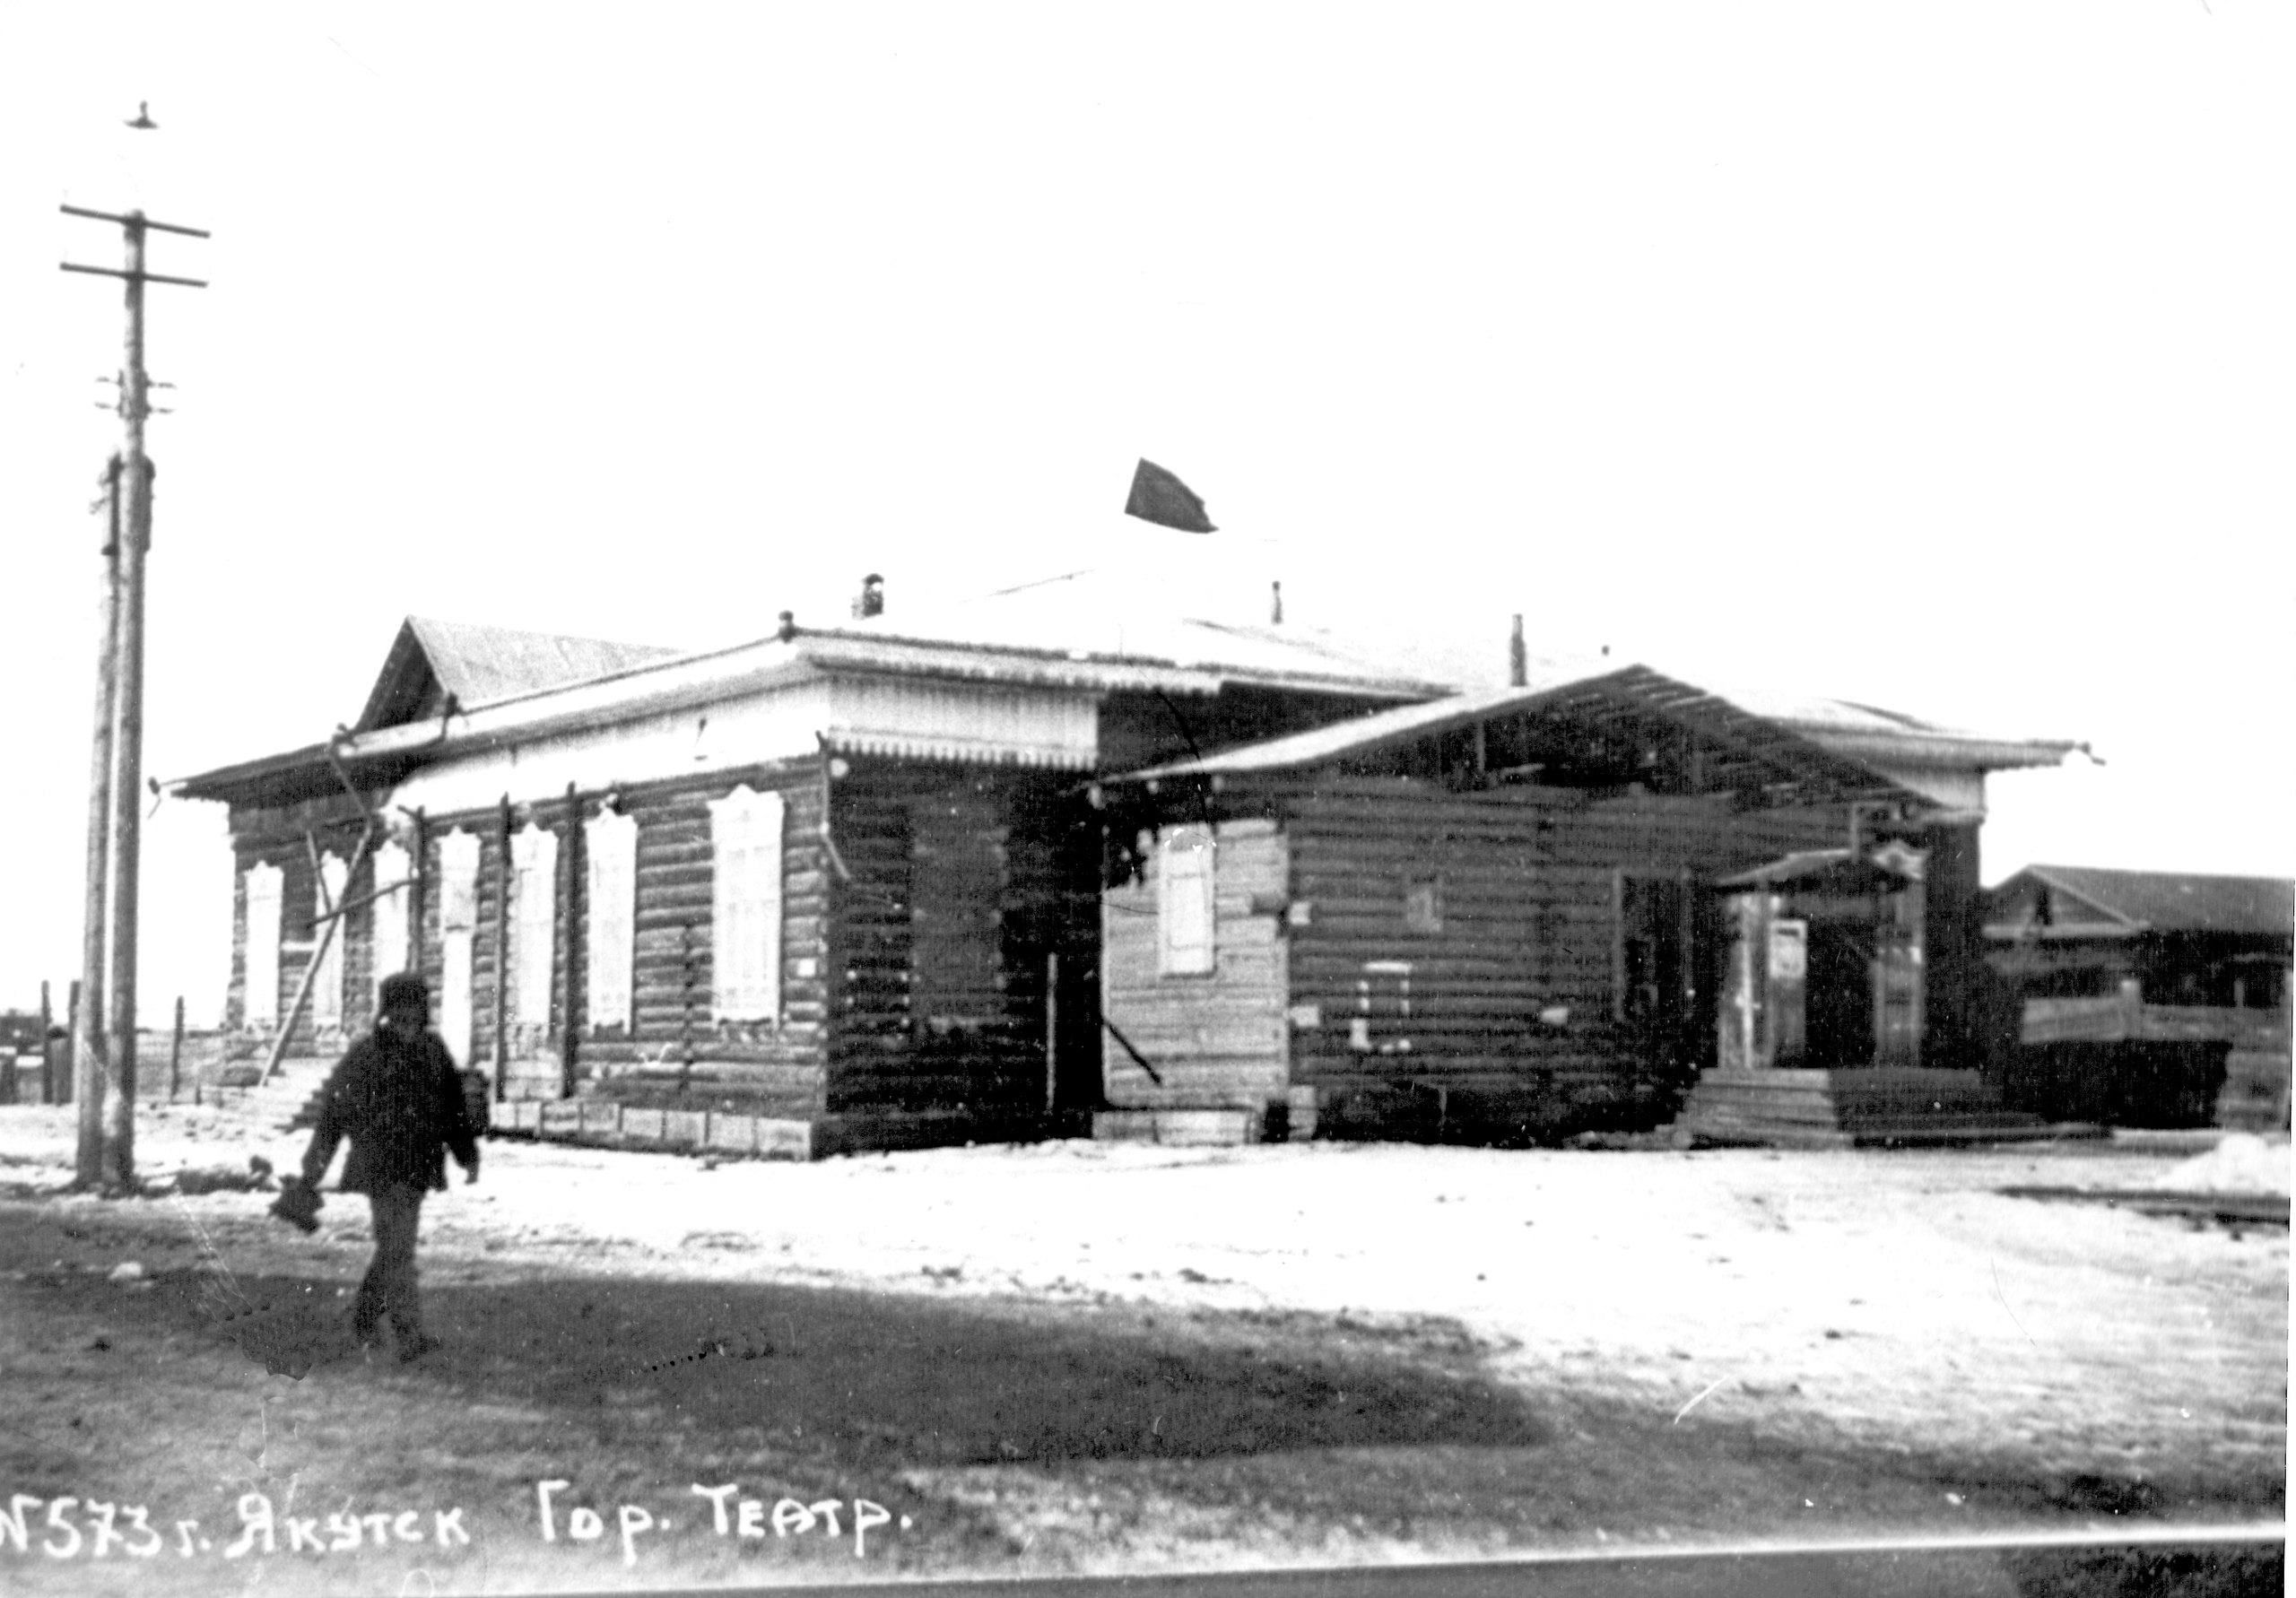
459, 882
386, 938
533, 860
1185, 909
746, 944
457, 919
610, 843
326, 987
260, 1003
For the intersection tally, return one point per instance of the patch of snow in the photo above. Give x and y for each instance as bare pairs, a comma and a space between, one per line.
2242, 1163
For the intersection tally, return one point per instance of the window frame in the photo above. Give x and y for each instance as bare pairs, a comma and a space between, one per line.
610, 938
260, 954
748, 838
1198, 956
534, 925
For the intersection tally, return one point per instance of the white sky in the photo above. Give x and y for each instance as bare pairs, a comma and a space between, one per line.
1937, 357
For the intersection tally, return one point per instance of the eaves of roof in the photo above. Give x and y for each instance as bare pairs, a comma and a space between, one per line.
695, 679
1934, 747
2176, 901
1633, 685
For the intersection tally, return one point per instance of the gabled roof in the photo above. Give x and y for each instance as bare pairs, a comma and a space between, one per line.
432, 661
1596, 689
510, 686
1089, 631
2134, 901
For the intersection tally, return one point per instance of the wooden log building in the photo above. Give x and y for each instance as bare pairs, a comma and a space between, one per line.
2146, 998
863, 888
1515, 913
830, 890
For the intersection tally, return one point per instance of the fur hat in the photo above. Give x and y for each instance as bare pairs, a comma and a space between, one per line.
403, 991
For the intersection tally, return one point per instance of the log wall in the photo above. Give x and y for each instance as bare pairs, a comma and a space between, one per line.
1427, 1020
677, 1055
275, 835
1219, 1040
960, 880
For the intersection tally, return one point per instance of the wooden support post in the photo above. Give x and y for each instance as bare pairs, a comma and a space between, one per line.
691, 986
1051, 1028
502, 952
59, 1087
419, 894
46, 1045
309, 977
85, 1053
570, 865
175, 1054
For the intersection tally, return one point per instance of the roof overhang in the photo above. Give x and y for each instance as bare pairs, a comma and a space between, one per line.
1828, 868
1958, 752
2089, 932
1636, 689
694, 680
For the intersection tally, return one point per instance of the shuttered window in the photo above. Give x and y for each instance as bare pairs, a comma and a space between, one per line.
746, 944
327, 933
1185, 906
533, 924
260, 1006
387, 940
610, 843
458, 921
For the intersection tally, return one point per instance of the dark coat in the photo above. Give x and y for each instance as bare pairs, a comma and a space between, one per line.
397, 1097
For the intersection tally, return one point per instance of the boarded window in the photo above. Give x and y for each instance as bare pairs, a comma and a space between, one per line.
533, 921
1650, 948
1185, 931
610, 843
1422, 905
326, 987
745, 921
388, 940
261, 1006
458, 921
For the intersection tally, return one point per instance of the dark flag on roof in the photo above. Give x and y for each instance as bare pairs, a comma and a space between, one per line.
1159, 497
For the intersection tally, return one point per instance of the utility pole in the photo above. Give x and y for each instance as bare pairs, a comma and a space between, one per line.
113, 1139
87, 1018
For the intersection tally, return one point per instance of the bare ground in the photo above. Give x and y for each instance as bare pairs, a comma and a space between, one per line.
1095, 1358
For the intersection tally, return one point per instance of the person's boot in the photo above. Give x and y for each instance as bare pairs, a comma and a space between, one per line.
413, 1344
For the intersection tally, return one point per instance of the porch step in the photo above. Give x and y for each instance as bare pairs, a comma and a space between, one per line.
1863, 1107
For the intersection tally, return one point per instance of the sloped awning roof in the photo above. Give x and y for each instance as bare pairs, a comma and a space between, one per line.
1590, 689
2127, 902
1837, 868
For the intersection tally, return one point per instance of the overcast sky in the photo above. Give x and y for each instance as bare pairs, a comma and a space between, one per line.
1934, 357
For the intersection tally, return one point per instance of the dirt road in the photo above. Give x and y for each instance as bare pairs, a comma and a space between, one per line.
1092, 1357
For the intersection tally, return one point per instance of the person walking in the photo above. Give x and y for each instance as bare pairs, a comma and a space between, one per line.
398, 1098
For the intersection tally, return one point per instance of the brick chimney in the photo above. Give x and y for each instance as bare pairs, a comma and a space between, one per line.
1518, 663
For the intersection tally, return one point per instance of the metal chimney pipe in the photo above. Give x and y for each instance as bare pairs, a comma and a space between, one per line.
1518, 662
1275, 603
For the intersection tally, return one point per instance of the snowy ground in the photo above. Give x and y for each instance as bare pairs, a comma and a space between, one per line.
1894, 1303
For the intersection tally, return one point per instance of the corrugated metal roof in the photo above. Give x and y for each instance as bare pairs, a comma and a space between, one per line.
2177, 902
